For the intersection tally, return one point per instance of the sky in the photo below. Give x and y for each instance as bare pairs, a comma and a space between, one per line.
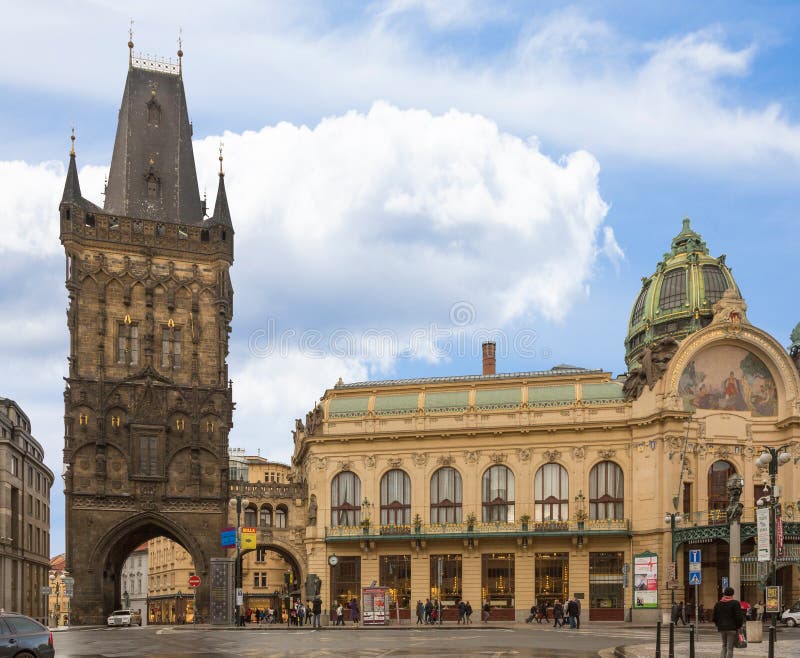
410, 177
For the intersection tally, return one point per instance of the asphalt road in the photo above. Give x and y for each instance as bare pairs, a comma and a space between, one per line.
522, 641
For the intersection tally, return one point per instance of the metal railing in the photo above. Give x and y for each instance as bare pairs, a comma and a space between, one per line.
571, 526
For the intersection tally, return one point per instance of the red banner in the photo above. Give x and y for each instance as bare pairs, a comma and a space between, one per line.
778, 533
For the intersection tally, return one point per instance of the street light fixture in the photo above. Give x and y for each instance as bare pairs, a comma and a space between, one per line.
772, 458
238, 502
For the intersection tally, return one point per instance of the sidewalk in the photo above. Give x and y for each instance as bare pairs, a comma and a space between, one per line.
785, 647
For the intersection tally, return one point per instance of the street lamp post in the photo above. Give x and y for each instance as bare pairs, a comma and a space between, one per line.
772, 458
672, 518
238, 502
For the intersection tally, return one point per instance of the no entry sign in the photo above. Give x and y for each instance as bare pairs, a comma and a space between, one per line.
194, 581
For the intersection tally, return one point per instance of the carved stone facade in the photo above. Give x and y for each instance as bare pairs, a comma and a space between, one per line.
148, 405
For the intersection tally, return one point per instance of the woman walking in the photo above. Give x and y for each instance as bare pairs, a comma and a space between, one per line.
558, 614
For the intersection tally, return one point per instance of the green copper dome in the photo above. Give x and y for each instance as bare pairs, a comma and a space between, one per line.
678, 298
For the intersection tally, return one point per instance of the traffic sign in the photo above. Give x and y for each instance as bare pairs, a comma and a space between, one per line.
694, 578
694, 560
725, 582
194, 581
228, 538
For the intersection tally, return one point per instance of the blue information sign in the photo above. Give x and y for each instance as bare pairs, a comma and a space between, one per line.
694, 578
694, 556
228, 538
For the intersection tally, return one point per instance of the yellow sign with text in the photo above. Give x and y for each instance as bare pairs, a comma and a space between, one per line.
248, 539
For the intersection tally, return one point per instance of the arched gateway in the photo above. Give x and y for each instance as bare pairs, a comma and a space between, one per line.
148, 405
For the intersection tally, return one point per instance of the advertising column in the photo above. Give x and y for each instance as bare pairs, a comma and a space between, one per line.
645, 581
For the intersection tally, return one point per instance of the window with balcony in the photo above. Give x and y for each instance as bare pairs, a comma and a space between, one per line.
606, 491
551, 491
346, 499
395, 498
498, 494
446, 493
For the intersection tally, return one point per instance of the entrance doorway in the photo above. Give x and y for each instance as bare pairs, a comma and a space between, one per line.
551, 578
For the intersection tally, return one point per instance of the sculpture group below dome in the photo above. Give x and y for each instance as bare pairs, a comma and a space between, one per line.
679, 297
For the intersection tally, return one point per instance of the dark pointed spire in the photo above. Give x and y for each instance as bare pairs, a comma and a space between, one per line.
72, 186
222, 215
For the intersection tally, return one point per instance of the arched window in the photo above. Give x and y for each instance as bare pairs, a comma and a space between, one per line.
718, 476
395, 498
346, 499
266, 515
498, 494
281, 516
606, 491
446, 496
250, 516
551, 492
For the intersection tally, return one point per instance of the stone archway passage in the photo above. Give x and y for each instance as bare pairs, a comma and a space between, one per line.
277, 595
97, 569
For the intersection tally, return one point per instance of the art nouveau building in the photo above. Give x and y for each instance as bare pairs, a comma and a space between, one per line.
533, 486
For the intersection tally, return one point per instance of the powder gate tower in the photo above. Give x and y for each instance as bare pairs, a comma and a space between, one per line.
148, 405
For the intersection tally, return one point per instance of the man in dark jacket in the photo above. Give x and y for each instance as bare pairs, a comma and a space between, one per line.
728, 618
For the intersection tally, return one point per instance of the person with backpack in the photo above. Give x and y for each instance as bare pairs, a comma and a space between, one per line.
469, 612
728, 617
572, 613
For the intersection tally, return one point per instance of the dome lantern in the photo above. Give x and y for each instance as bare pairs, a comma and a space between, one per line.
678, 298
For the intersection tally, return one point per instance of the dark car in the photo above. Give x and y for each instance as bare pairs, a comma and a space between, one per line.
23, 637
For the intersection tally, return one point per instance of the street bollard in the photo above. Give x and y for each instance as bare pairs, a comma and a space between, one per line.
691, 641
772, 631
658, 639
672, 639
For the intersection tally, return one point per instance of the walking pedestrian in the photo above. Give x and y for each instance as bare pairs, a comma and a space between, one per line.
462, 612
316, 609
543, 612
572, 612
420, 612
469, 612
486, 610
354, 611
533, 616
340, 615
728, 618
428, 611
558, 614
577, 611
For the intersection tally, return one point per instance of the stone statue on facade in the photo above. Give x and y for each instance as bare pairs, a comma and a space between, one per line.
735, 507
655, 359
312, 511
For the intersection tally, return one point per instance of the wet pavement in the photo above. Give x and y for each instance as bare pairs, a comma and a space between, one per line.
186, 642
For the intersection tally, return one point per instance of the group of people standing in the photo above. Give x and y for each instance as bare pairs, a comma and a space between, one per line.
565, 615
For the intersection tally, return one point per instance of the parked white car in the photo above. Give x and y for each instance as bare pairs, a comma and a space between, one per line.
125, 618
791, 617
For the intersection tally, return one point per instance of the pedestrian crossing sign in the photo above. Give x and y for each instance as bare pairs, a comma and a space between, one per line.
694, 578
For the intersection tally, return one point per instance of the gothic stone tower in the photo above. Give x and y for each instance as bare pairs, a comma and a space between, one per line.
147, 405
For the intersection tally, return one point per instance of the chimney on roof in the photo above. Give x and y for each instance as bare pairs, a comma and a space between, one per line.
489, 361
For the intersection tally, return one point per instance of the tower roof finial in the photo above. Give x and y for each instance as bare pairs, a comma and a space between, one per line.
130, 44
72, 145
221, 145
180, 49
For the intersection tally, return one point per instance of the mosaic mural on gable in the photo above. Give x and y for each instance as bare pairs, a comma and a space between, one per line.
728, 378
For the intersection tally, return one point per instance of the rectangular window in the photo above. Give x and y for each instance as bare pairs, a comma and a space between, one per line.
256, 579
148, 455
261, 554
450, 592
345, 582
606, 594
15, 466
30, 476
396, 575
29, 511
551, 581
497, 579
263, 579
171, 347
128, 344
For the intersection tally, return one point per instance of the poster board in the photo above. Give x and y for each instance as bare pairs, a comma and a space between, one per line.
373, 607
645, 580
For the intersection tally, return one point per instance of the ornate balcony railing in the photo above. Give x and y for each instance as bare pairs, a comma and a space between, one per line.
464, 530
260, 490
